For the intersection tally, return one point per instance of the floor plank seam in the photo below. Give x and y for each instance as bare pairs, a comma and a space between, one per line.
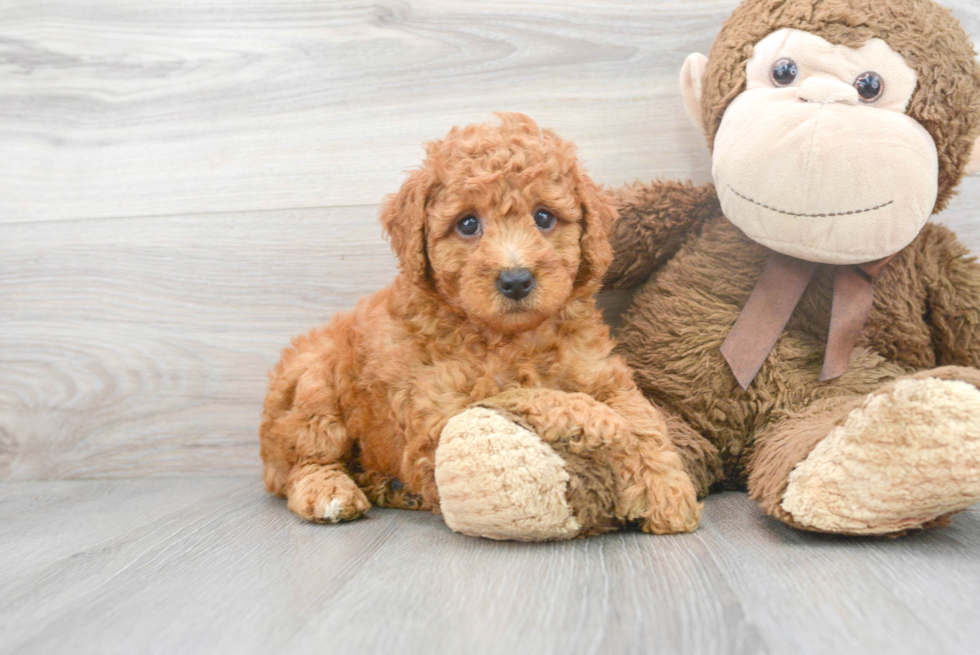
227, 212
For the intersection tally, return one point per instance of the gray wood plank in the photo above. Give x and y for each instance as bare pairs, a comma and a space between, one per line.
224, 105
182, 106
213, 565
815, 594
141, 346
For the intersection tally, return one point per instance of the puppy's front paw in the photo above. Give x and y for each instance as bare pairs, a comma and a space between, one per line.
672, 505
588, 424
325, 495
576, 420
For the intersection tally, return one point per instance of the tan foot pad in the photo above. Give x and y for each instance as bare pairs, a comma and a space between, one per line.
901, 460
498, 480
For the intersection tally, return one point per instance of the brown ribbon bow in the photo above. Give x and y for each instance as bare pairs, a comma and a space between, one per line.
771, 305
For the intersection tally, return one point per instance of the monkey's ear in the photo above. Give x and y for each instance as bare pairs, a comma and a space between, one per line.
692, 86
973, 166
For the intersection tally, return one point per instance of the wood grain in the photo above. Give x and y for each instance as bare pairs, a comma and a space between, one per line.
213, 565
186, 185
174, 107
815, 594
230, 105
141, 347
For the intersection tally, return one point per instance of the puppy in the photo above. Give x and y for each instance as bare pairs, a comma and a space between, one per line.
502, 240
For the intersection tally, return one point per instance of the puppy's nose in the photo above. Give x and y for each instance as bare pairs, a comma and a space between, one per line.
515, 283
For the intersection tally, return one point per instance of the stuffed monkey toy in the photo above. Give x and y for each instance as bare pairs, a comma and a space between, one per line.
816, 339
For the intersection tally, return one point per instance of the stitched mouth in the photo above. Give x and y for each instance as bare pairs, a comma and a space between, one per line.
827, 215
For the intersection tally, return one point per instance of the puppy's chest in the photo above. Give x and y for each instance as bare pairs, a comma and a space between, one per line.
478, 371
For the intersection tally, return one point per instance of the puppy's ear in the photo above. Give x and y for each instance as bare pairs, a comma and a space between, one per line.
403, 219
598, 218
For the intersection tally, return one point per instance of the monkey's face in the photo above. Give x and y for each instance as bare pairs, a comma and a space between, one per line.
817, 158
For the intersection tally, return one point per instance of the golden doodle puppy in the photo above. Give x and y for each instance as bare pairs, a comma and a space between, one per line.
489, 340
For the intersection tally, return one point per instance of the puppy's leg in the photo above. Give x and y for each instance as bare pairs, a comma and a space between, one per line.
577, 419
324, 493
304, 440
657, 490
629, 433
317, 485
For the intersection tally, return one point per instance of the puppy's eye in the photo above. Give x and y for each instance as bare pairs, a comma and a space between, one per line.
468, 226
784, 72
870, 86
544, 219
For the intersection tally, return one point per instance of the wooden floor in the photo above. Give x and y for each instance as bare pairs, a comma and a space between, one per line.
186, 184
211, 565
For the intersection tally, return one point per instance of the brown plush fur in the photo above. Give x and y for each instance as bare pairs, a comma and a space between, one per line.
926, 313
697, 269
369, 394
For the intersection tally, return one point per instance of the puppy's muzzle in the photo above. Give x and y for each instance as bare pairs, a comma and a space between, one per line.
515, 283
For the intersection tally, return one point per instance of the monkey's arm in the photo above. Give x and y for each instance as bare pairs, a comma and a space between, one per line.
953, 279
654, 221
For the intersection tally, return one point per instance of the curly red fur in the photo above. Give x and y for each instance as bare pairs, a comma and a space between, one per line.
366, 397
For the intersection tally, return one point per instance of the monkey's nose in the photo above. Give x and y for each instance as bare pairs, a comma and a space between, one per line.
822, 91
515, 283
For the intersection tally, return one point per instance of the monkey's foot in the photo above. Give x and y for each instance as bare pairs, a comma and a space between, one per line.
904, 459
499, 480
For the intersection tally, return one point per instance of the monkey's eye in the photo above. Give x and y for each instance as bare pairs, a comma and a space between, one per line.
784, 72
468, 226
870, 86
544, 219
